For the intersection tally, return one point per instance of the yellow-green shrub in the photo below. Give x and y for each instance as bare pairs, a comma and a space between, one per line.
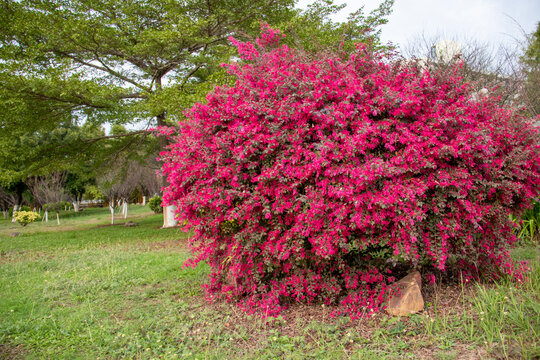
26, 217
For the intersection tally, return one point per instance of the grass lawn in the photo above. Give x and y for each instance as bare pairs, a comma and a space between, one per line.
86, 290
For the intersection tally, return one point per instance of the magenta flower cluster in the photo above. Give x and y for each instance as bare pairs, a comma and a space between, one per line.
311, 176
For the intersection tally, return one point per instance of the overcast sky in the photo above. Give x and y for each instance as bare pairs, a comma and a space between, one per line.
491, 21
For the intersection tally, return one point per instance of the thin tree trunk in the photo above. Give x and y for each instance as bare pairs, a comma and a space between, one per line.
6, 214
15, 209
168, 212
125, 208
58, 218
111, 208
144, 200
46, 216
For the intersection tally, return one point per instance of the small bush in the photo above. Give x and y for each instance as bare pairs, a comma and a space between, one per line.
155, 204
57, 206
22, 208
310, 178
26, 217
92, 192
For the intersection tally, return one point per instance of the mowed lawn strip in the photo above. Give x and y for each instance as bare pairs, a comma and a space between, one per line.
88, 291
88, 229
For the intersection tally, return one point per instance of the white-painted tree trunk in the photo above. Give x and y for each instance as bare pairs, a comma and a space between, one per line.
169, 219
57, 218
5, 213
111, 208
46, 217
144, 200
124, 208
76, 206
15, 209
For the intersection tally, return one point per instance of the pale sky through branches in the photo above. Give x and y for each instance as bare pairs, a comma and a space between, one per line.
495, 22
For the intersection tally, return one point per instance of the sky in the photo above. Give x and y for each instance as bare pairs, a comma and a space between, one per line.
494, 22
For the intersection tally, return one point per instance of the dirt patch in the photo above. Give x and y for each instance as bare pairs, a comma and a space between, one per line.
109, 225
165, 245
14, 256
315, 325
9, 351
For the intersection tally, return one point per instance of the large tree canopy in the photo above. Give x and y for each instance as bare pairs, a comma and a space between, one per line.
66, 64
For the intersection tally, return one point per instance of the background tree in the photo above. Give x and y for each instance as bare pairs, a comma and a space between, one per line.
49, 192
7, 200
76, 186
138, 64
314, 31
117, 184
496, 70
17, 188
531, 69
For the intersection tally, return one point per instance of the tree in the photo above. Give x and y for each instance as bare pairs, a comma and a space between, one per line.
307, 179
16, 188
531, 68
135, 62
118, 184
313, 31
28, 151
6, 201
76, 183
49, 192
487, 69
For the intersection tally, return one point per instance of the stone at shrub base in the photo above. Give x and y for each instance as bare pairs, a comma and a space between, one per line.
410, 301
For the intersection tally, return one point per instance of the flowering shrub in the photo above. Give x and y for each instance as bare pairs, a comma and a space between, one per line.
310, 177
26, 217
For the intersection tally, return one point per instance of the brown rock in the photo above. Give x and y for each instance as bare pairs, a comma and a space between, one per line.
410, 300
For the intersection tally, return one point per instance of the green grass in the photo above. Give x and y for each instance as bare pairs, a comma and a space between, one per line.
82, 290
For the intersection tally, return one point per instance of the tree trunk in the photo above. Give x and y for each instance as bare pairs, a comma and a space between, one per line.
144, 200
168, 212
76, 206
125, 208
5, 213
169, 216
111, 208
46, 217
15, 209
18, 203
57, 218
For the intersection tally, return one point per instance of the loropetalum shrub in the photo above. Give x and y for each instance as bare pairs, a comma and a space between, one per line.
311, 177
